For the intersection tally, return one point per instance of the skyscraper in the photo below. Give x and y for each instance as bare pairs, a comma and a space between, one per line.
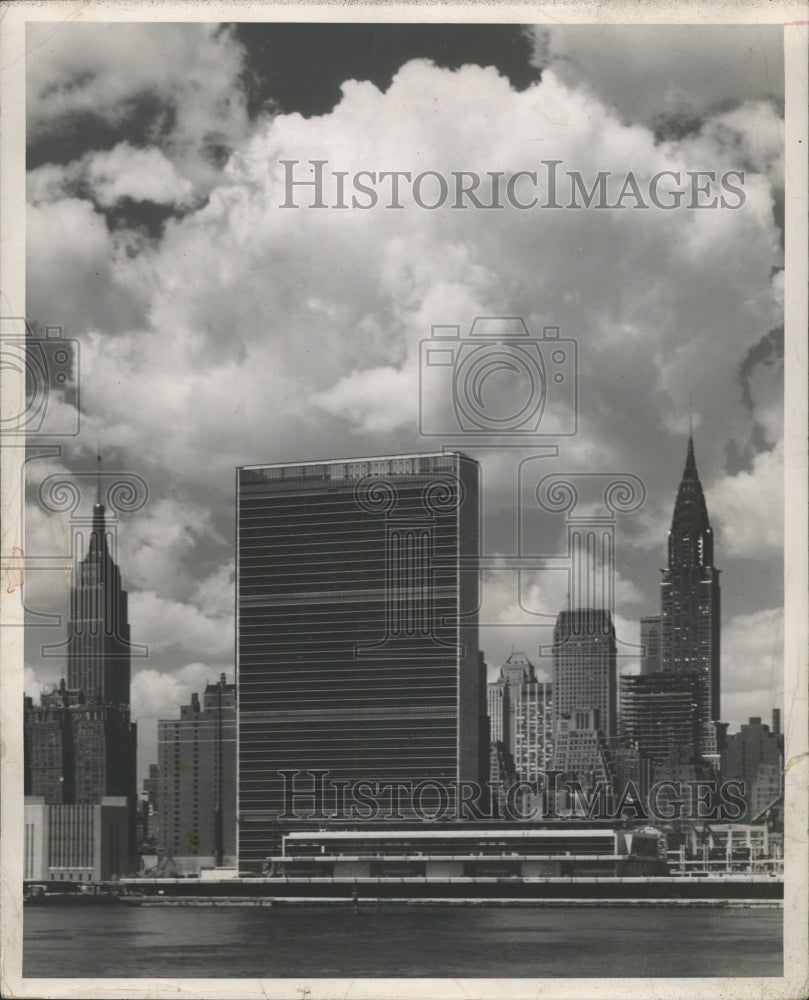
689, 605
584, 667
98, 658
357, 646
521, 717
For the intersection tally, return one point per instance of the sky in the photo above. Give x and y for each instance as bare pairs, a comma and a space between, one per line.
217, 329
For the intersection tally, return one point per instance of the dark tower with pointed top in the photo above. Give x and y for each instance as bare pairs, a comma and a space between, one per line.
98, 661
689, 627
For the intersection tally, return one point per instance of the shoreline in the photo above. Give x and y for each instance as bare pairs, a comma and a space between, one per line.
367, 903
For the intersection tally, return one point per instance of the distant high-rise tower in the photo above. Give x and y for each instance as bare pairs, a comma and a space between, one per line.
98, 658
584, 667
689, 606
357, 639
520, 717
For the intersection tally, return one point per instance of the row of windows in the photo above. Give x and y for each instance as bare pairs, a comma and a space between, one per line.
353, 469
328, 633
264, 530
355, 745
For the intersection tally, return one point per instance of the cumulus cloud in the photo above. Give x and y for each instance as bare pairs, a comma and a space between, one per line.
173, 626
242, 338
157, 695
111, 176
373, 401
748, 508
79, 275
157, 547
33, 688
752, 665
657, 73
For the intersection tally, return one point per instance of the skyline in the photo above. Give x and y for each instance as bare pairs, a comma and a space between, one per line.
259, 335
629, 665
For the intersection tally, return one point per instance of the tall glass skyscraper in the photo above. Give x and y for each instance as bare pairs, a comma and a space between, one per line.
357, 642
689, 599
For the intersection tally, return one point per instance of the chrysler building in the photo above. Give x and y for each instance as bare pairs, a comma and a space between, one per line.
689, 627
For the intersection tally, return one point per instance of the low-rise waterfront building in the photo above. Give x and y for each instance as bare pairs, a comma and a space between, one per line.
561, 851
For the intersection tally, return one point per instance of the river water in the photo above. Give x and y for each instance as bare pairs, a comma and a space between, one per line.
400, 941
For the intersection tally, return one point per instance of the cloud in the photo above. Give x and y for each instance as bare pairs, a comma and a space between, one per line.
156, 546
33, 688
171, 627
142, 175
748, 508
123, 172
752, 665
157, 695
373, 401
79, 275
376, 284
177, 84
657, 74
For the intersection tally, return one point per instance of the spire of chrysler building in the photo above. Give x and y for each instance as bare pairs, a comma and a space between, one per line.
690, 597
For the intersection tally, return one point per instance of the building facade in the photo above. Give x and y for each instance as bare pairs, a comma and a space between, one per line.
521, 717
584, 668
49, 757
196, 773
357, 645
690, 595
755, 756
76, 843
660, 712
580, 750
78, 751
